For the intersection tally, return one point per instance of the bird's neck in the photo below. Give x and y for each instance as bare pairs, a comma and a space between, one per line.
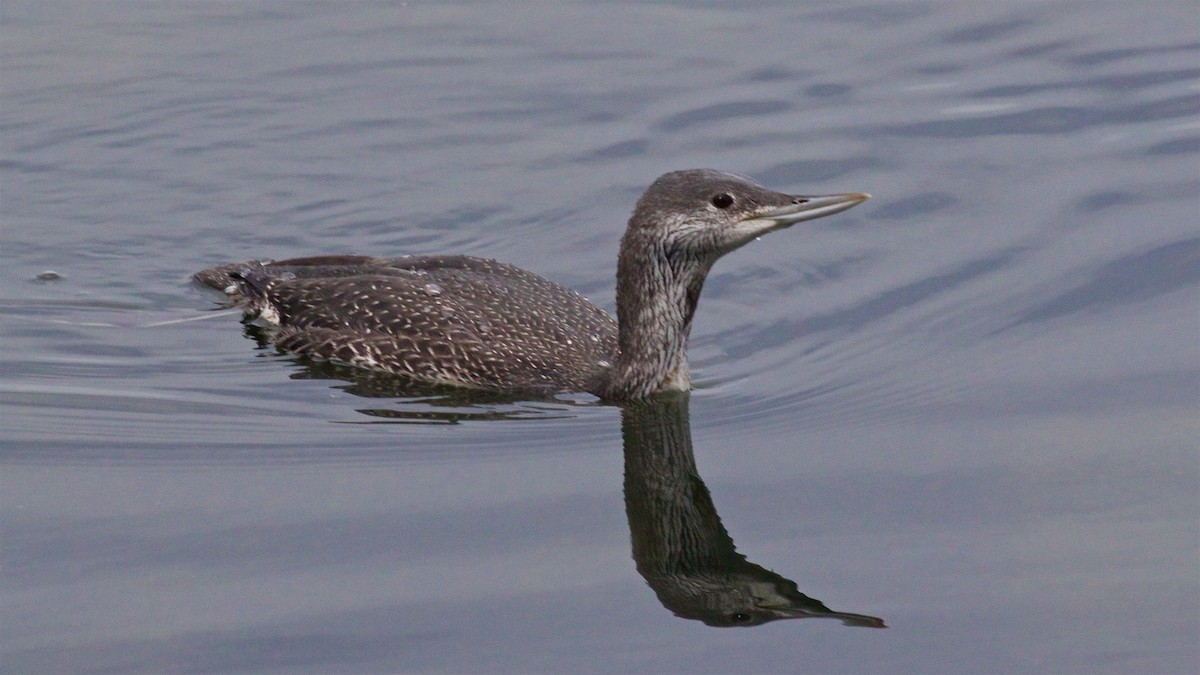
656, 299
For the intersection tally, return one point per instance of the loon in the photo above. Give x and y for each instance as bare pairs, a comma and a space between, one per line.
473, 322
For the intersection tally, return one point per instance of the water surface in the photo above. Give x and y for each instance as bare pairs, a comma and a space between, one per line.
967, 407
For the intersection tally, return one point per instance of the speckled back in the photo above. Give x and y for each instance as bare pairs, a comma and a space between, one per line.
450, 319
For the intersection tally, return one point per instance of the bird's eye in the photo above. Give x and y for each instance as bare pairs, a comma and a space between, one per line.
722, 201
740, 617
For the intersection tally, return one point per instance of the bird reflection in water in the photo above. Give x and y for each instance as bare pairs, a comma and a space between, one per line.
679, 544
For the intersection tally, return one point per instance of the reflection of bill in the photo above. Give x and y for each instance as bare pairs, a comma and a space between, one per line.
679, 544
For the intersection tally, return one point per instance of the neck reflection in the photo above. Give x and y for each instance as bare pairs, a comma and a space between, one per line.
679, 544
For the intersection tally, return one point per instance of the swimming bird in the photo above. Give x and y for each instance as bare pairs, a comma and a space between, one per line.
474, 322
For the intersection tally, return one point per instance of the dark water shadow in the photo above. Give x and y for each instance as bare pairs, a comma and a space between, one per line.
679, 544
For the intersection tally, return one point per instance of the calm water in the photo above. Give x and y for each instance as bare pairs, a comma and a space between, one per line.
968, 408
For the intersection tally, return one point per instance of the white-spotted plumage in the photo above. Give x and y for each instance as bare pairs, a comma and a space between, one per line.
479, 323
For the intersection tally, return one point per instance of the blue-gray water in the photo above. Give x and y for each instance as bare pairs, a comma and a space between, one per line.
968, 407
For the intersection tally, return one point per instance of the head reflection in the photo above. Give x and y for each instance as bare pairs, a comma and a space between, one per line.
679, 544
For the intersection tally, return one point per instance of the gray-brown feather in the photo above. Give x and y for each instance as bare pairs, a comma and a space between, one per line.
450, 319
480, 323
